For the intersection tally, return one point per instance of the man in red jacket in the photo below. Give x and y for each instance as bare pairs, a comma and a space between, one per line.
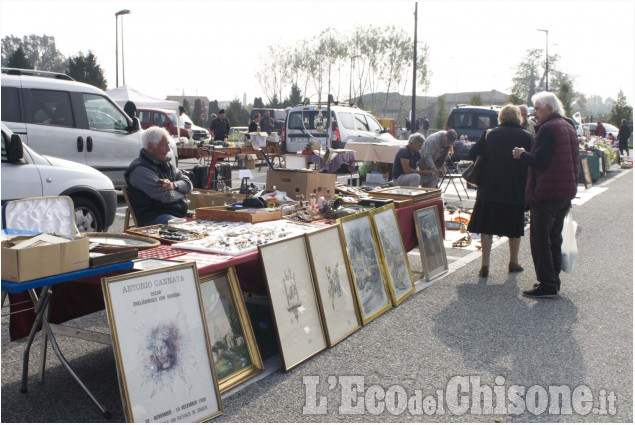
552, 183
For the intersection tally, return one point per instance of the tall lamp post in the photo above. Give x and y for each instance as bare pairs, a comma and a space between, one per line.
546, 58
121, 12
350, 84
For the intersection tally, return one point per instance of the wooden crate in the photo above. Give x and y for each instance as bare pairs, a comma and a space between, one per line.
414, 194
254, 215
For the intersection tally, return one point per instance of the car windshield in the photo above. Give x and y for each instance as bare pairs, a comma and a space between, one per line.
305, 120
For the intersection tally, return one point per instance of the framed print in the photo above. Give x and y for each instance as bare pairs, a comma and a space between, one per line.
431, 247
333, 284
234, 348
586, 172
394, 254
366, 270
163, 356
293, 300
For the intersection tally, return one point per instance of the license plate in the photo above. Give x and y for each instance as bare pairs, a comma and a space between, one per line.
299, 139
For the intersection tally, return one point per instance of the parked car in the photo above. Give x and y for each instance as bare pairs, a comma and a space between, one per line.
589, 129
348, 123
278, 115
56, 115
27, 174
186, 123
471, 122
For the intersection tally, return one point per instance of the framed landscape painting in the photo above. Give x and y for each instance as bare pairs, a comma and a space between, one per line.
160, 340
234, 348
431, 248
366, 268
293, 300
333, 284
394, 255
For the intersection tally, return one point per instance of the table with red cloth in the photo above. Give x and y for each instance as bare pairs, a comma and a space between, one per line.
79, 298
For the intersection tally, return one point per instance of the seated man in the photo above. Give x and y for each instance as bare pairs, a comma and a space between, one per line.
433, 155
156, 188
404, 168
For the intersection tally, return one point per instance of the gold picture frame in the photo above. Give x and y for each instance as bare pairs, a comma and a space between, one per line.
294, 303
393, 253
431, 248
367, 271
333, 283
234, 347
161, 345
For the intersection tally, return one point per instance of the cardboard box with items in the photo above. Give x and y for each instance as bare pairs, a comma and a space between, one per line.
32, 257
302, 183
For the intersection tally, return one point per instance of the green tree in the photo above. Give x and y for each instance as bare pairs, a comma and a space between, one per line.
275, 103
295, 97
86, 70
236, 114
530, 76
19, 60
196, 113
566, 96
441, 112
621, 110
476, 100
258, 102
39, 50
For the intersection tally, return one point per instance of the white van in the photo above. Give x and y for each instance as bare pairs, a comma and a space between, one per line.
55, 115
26, 174
348, 124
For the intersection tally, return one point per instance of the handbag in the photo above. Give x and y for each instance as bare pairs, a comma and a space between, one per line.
569, 245
473, 173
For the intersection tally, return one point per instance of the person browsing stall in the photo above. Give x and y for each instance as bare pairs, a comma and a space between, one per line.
433, 155
254, 126
552, 182
156, 188
266, 122
219, 128
404, 168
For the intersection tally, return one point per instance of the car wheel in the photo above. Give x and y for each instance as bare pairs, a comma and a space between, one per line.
87, 216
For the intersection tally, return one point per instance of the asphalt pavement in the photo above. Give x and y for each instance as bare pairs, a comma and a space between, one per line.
454, 342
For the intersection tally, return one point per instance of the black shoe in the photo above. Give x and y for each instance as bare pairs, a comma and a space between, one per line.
537, 284
540, 292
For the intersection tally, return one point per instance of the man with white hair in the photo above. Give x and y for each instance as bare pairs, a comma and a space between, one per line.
156, 188
552, 183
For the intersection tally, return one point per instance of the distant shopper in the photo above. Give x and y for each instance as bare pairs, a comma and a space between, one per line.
404, 168
433, 155
526, 122
266, 122
600, 131
220, 126
426, 126
254, 124
552, 182
500, 199
156, 188
622, 137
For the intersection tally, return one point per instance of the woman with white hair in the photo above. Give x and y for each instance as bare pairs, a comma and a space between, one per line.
552, 183
500, 202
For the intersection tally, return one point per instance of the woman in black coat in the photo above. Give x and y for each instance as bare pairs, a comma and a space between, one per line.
500, 199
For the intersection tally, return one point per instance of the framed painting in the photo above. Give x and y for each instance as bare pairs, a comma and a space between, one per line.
234, 347
336, 295
162, 351
366, 267
293, 300
433, 258
394, 256
586, 172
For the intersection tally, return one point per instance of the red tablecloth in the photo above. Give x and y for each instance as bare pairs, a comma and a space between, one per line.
78, 298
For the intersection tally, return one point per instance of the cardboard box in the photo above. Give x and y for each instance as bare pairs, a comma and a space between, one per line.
255, 215
21, 265
212, 198
246, 160
302, 183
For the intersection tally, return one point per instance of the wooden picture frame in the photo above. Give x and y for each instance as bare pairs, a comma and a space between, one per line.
394, 255
294, 301
161, 346
431, 248
234, 348
295, 162
333, 284
367, 271
586, 172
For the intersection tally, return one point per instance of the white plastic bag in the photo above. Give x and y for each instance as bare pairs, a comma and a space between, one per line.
569, 245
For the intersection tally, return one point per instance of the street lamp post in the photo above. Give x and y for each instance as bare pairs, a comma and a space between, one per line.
546, 58
121, 12
350, 84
